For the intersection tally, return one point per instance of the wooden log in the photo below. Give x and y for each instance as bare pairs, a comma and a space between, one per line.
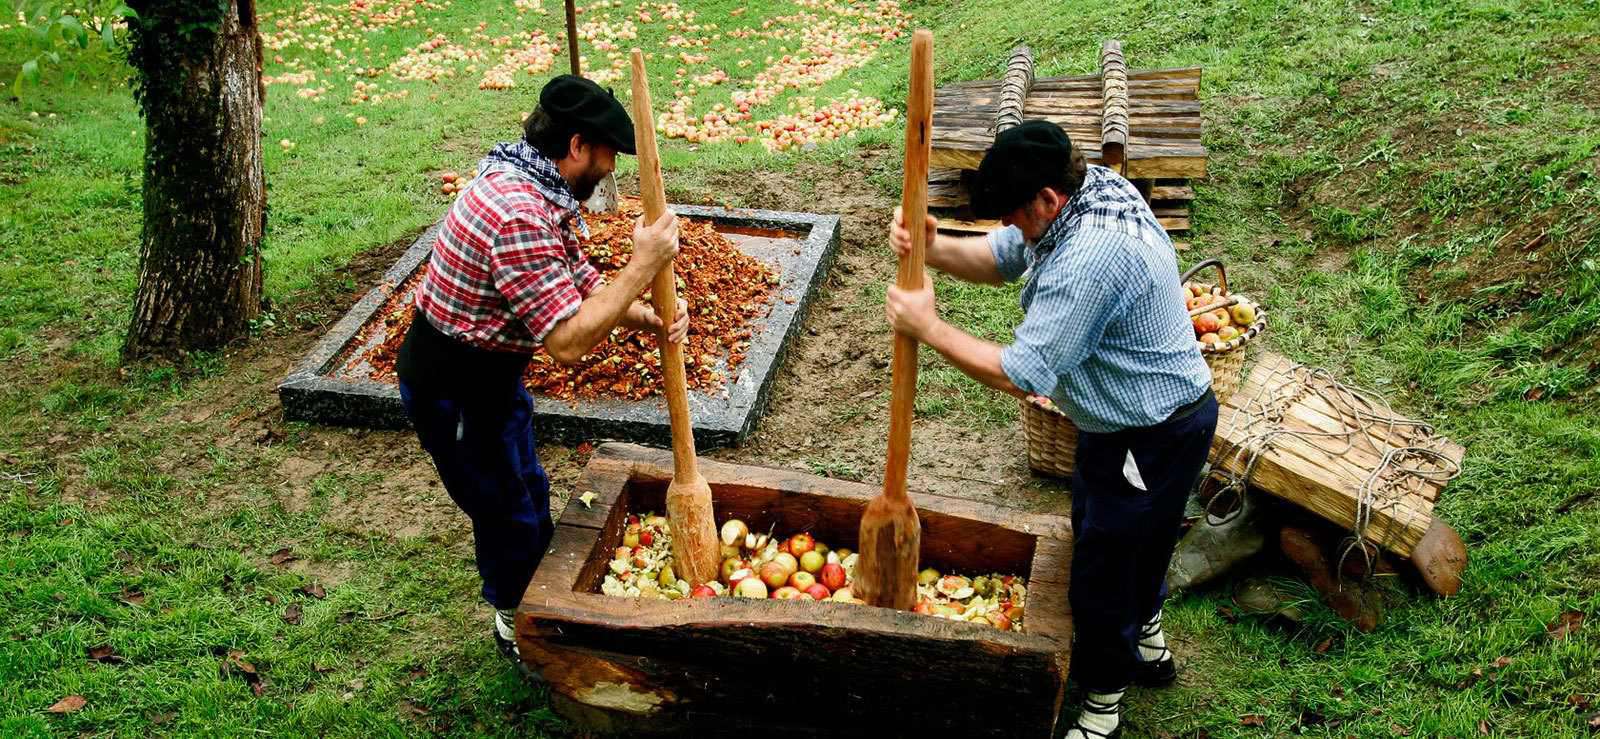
693, 666
1171, 192
1014, 88
1114, 106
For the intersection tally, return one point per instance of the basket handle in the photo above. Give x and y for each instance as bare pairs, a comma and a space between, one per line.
1222, 274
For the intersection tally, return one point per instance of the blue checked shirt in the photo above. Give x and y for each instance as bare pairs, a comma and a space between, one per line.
1104, 333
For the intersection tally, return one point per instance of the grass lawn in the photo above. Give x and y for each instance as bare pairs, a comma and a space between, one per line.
1412, 186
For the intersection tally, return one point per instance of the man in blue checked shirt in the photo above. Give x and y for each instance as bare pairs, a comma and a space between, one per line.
1106, 336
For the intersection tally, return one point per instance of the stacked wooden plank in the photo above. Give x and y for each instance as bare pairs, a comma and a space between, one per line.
1151, 134
1320, 455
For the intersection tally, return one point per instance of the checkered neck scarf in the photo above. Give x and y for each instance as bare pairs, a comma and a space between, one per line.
518, 155
1056, 231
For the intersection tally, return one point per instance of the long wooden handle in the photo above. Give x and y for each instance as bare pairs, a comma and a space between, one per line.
572, 36
914, 204
664, 291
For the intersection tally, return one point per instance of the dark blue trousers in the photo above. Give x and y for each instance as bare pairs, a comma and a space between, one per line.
1123, 537
481, 440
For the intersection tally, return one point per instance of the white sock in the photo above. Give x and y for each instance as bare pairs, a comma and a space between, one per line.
1100, 715
505, 623
1153, 641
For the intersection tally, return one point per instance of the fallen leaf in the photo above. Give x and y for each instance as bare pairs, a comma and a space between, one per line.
1399, 730
867, 394
321, 668
132, 597
587, 499
1566, 624
1483, 727
1594, 722
281, 556
106, 654
64, 522
1502, 662
1253, 720
1227, 614
1579, 702
68, 704
1323, 646
1533, 393
585, 448
314, 590
291, 615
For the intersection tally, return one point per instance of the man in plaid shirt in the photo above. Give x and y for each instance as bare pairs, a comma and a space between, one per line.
1105, 335
506, 276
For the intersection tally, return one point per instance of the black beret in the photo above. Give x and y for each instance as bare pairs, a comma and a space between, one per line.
593, 111
1023, 160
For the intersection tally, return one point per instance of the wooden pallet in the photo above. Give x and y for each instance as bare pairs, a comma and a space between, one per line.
1302, 472
1146, 124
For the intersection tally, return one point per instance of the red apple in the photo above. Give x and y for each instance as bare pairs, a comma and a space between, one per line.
646, 538
774, 574
803, 580
923, 606
832, 575
819, 591
786, 593
702, 591
799, 544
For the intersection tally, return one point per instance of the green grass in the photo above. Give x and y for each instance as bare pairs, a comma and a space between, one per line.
1411, 186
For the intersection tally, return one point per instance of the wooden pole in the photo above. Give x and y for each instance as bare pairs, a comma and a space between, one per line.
694, 531
572, 36
891, 535
1114, 111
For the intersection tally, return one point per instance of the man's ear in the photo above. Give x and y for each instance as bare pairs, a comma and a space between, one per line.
578, 149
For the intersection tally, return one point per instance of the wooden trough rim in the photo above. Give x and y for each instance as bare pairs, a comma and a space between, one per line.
550, 596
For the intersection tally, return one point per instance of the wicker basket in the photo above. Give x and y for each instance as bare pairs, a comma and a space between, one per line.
1226, 358
1052, 438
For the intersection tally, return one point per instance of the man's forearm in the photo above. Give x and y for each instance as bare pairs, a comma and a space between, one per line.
975, 357
602, 311
964, 257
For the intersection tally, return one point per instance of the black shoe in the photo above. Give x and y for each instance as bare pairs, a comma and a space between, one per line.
1156, 674
508, 649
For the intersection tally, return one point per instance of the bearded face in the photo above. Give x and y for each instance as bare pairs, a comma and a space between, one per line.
584, 184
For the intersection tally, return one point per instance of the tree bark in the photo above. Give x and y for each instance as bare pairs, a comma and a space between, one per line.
204, 190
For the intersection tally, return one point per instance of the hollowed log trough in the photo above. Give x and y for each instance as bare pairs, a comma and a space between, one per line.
793, 668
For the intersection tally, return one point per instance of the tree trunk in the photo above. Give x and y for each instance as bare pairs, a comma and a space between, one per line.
204, 191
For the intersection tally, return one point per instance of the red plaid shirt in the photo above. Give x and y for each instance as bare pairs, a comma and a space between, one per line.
507, 266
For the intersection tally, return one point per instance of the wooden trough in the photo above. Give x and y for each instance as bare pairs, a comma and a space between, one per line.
793, 668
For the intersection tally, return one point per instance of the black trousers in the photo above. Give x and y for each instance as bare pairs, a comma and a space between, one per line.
1123, 537
475, 418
